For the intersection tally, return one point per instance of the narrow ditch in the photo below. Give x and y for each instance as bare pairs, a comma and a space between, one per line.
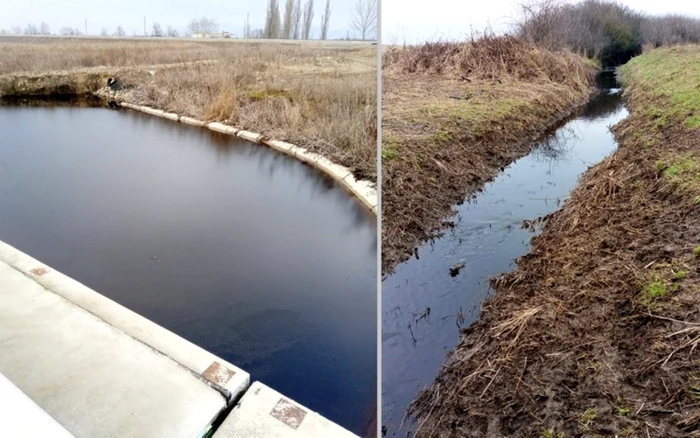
430, 297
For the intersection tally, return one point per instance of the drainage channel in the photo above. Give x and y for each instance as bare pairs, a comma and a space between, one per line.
430, 297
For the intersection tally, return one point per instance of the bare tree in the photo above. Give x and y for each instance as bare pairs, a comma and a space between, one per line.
104, 32
308, 19
246, 27
16, 30
204, 25
157, 30
193, 27
325, 19
45, 29
363, 18
171, 32
296, 19
257, 34
287, 22
272, 20
31, 29
119, 32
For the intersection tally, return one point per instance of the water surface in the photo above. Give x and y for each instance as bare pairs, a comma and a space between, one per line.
487, 238
239, 249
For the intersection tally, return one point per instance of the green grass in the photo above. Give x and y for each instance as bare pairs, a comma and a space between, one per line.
683, 171
673, 75
390, 146
680, 274
696, 251
655, 289
623, 411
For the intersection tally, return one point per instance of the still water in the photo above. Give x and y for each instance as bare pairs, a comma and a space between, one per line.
487, 238
241, 250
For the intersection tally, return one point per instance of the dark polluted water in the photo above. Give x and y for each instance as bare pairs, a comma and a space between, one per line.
241, 250
421, 301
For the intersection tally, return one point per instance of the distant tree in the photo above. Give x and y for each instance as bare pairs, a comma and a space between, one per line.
296, 20
246, 27
288, 20
257, 34
308, 19
363, 18
104, 32
157, 30
204, 25
31, 29
120, 32
45, 29
272, 20
16, 30
171, 32
325, 19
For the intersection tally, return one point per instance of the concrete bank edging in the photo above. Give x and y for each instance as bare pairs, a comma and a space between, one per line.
226, 378
364, 191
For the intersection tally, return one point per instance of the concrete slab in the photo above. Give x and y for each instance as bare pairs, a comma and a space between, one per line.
264, 412
20, 416
93, 379
228, 378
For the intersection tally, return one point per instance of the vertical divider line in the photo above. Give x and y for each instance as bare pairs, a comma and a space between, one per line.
379, 217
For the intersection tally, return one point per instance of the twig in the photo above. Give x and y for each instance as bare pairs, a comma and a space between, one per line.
492, 379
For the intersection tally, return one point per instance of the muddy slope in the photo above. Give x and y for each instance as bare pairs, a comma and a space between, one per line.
453, 115
594, 333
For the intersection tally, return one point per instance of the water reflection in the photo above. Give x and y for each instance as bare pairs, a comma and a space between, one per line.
239, 249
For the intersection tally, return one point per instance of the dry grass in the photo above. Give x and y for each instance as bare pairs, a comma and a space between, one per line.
318, 95
453, 115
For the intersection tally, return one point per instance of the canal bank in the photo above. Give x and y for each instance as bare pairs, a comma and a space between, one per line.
98, 369
594, 332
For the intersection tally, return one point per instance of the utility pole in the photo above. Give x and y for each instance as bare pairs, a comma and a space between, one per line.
86, 27
144, 26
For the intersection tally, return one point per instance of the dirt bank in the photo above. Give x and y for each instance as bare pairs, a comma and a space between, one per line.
453, 115
594, 333
318, 96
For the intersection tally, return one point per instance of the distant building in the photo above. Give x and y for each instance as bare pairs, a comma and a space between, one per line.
223, 34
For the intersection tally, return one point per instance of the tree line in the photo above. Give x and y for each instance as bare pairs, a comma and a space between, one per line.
294, 22
601, 29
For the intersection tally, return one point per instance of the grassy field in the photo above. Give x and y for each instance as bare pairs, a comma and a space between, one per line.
315, 94
596, 331
453, 115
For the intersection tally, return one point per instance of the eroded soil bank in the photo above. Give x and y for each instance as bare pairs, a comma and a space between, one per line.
595, 331
453, 116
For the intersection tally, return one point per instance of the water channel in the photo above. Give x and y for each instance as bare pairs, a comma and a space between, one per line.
241, 250
421, 300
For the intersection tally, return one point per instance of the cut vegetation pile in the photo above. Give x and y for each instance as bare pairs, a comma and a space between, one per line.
321, 96
453, 115
596, 331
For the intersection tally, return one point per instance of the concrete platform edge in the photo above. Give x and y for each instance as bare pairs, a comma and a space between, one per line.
226, 378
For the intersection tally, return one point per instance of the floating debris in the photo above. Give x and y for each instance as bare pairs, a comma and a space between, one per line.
454, 269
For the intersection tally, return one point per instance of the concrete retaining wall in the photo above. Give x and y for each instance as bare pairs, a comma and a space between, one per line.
364, 191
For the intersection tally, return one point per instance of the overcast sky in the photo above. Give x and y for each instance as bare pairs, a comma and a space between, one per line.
230, 14
411, 21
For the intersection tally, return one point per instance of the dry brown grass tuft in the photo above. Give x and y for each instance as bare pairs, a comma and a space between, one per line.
453, 114
321, 96
491, 58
